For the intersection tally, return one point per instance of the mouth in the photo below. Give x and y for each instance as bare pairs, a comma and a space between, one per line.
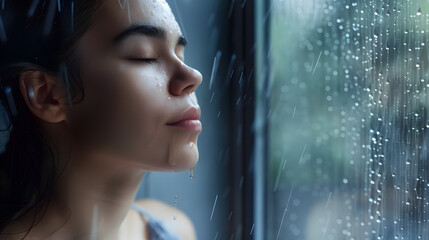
189, 125
188, 120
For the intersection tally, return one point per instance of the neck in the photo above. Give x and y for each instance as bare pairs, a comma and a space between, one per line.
92, 198
99, 192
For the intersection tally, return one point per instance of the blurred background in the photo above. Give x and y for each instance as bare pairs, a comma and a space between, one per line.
348, 124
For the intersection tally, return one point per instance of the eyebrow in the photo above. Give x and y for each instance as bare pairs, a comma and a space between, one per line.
146, 30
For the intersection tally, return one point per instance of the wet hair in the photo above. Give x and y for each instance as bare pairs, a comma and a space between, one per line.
39, 35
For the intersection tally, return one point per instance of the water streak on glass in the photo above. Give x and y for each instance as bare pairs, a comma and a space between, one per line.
354, 77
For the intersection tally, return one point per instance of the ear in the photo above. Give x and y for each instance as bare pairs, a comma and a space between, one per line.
44, 96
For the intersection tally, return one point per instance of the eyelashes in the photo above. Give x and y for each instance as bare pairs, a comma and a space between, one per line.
148, 60
143, 60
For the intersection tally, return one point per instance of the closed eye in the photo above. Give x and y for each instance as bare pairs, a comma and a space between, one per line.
145, 60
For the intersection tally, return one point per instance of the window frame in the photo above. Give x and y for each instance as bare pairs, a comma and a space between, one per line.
249, 113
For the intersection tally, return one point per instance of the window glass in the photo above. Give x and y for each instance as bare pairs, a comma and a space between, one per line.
348, 120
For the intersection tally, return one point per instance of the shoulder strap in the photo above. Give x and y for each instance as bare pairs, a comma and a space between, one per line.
157, 230
141, 210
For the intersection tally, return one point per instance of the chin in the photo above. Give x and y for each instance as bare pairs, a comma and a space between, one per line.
182, 157
179, 154
182, 163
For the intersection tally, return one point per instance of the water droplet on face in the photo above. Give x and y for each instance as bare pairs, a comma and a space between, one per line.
159, 86
172, 162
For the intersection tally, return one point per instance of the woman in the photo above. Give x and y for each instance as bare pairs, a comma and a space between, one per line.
97, 93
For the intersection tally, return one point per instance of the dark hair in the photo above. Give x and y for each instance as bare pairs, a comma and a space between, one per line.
39, 35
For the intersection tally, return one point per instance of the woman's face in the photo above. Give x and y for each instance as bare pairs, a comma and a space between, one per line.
136, 83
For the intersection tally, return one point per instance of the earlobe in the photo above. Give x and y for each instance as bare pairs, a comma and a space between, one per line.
40, 92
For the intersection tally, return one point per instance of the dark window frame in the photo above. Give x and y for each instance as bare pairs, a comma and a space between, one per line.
250, 95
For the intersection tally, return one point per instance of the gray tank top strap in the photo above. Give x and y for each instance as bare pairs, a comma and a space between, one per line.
157, 230
141, 210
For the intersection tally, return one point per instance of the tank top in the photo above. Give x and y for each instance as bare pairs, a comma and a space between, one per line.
157, 230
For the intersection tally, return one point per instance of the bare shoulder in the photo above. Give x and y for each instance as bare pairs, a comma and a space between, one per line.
176, 220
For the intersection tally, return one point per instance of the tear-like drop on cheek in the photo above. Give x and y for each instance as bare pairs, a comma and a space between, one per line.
159, 86
172, 162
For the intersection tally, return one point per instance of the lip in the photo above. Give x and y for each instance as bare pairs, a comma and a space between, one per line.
190, 125
188, 120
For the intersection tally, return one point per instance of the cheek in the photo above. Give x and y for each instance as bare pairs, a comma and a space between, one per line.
123, 109
143, 106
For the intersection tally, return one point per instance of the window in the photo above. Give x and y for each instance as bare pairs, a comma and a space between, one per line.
348, 128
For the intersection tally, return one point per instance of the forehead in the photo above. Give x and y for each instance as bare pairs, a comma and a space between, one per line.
116, 15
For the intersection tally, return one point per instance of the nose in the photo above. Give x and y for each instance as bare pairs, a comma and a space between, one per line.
184, 80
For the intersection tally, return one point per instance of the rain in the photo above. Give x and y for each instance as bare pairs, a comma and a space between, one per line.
347, 124
2, 31
354, 76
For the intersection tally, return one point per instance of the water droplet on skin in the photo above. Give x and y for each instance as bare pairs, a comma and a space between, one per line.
159, 86
172, 162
